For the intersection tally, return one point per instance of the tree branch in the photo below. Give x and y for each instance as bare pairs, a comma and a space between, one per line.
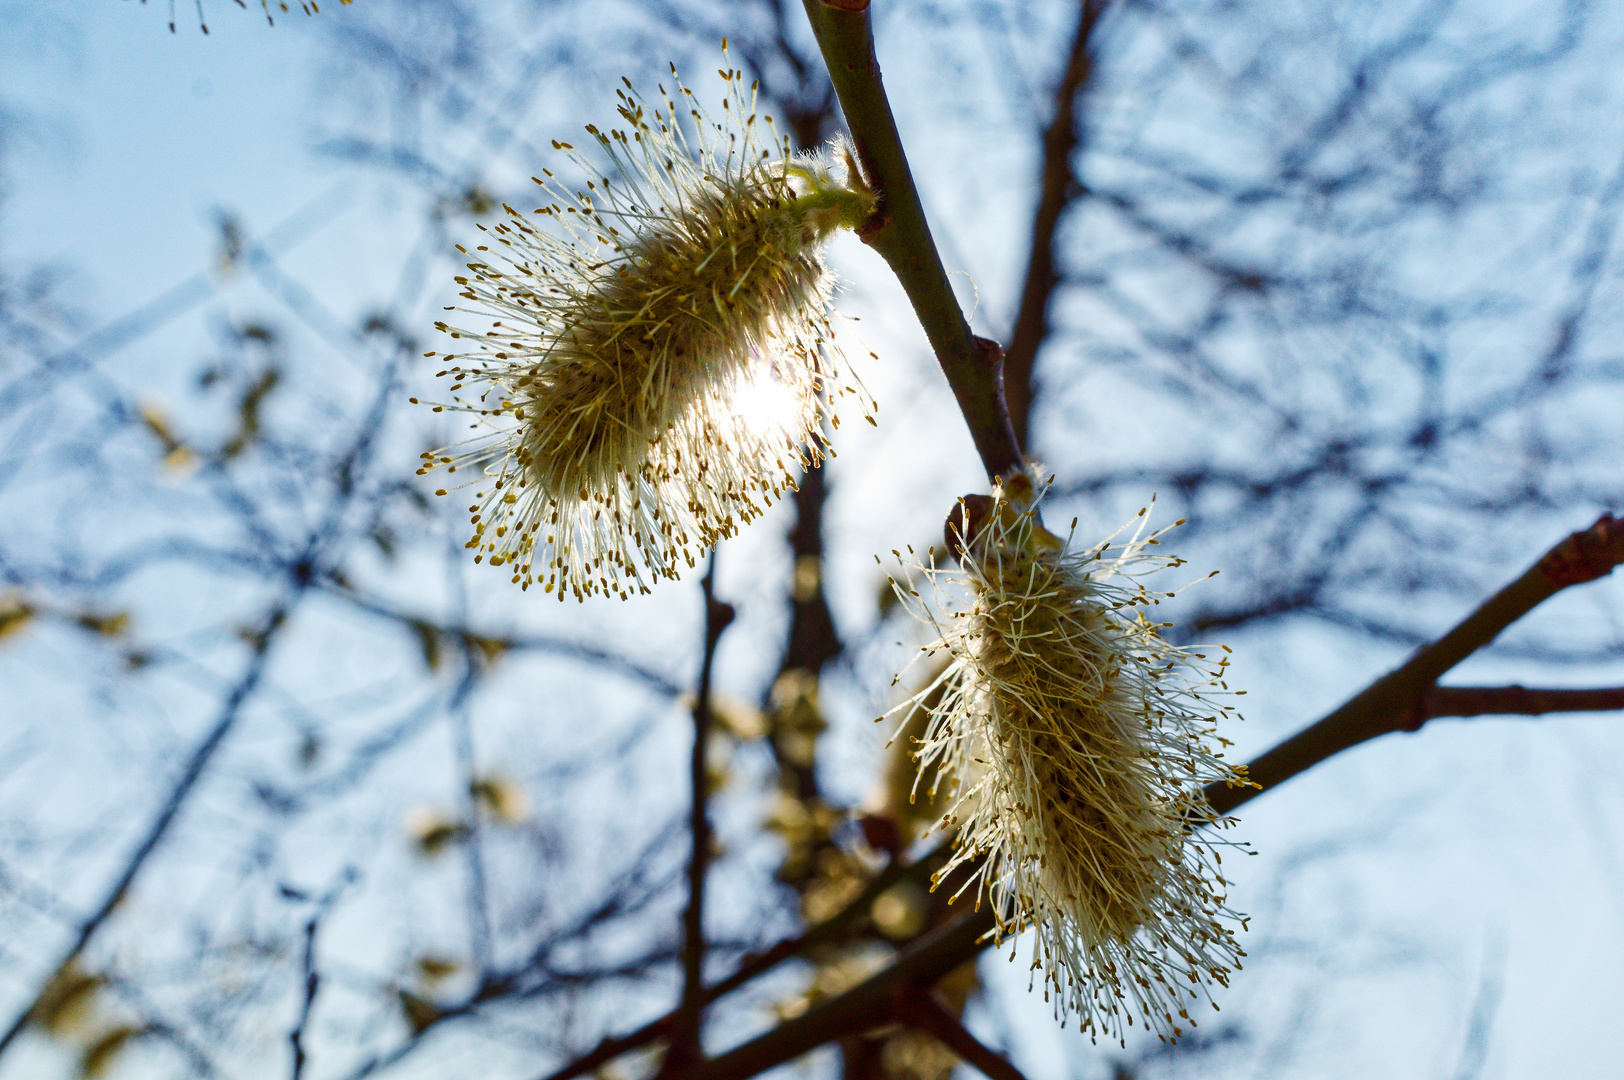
684, 1047
1396, 700
311, 977
919, 1008
857, 1010
1057, 192
1517, 701
899, 232
836, 927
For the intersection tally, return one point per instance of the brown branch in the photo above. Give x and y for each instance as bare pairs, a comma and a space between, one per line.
1393, 702
864, 1006
837, 927
1517, 701
919, 1008
812, 641
899, 232
684, 1048
1058, 189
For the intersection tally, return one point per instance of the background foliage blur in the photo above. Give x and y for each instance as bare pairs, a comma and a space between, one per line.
1339, 283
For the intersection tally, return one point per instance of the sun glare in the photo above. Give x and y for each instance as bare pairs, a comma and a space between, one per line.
764, 403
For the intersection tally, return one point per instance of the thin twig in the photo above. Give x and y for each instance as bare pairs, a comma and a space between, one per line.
684, 1047
1518, 701
1058, 189
837, 927
919, 1008
899, 232
1394, 701
312, 983
178, 795
312, 977
857, 1010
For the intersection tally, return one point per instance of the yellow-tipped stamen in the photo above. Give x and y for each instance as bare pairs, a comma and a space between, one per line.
1077, 743
628, 319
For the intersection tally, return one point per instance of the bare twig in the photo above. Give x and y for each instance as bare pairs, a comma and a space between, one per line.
684, 1047
919, 1008
179, 792
899, 232
1058, 189
312, 978
312, 983
1518, 701
858, 1009
1393, 702
834, 928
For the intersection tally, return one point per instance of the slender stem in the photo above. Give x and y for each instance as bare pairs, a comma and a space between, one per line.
1396, 700
685, 1045
1059, 188
899, 232
312, 984
311, 976
835, 928
919, 1008
1518, 701
867, 1005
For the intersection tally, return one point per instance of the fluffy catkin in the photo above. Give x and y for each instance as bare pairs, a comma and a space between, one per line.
1076, 742
661, 353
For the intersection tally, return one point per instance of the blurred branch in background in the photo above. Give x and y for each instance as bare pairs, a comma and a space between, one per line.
1339, 284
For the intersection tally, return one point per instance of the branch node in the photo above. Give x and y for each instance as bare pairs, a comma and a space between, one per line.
720, 615
967, 518
991, 354
1586, 556
1420, 711
917, 1007
876, 224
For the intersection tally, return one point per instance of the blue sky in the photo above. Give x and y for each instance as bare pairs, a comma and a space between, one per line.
130, 143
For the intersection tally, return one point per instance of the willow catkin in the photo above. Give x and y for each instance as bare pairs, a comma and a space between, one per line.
1075, 742
661, 354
